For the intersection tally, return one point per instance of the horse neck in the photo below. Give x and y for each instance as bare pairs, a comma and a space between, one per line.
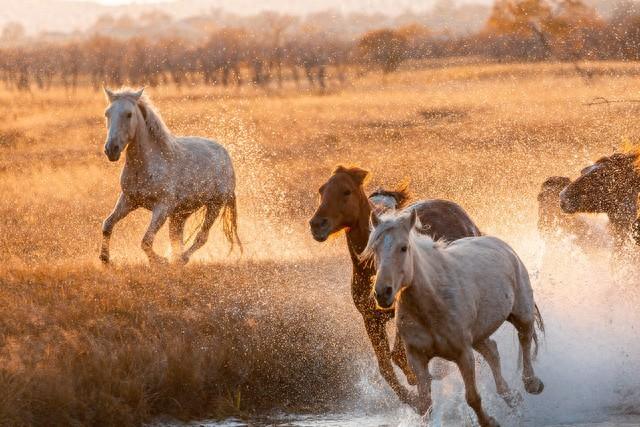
145, 150
358, 234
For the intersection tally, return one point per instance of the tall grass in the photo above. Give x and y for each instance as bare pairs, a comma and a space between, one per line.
87, 346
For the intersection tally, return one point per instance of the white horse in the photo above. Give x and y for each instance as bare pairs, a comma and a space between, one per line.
449, 299
168, 175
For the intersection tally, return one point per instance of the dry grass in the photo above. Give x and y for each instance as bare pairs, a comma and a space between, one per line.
80, 344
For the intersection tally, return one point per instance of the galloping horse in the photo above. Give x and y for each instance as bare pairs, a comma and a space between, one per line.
587, 232
168, 175
450, 298
611, 185
345, 206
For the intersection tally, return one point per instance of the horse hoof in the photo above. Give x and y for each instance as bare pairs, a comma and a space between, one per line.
533, 385
512, 398
491, 422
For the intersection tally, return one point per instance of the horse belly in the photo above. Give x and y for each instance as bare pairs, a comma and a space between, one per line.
493, 308
207, 175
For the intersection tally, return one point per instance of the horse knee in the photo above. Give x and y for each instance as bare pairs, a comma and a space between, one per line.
146, 244
398, 356
473, 398
107, 227
492, 346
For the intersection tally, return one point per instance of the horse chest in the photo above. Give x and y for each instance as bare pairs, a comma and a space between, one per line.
436, 338
144, 185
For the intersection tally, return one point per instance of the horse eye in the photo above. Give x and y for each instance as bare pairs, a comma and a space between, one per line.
347, 192
403, 249
129, 115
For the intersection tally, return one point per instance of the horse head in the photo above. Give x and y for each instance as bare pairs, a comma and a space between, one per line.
549, 210
342, 203
608, 186
123, 118
390, 246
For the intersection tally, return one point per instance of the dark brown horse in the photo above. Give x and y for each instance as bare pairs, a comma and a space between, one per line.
611, 185
345, 206
585, 231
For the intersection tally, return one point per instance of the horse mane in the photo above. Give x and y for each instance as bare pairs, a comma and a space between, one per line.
628, 157
401, 194
389, 221
157, 129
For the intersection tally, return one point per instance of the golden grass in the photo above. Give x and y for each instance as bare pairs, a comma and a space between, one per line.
81, 344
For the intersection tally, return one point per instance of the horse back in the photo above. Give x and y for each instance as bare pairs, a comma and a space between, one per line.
443, 219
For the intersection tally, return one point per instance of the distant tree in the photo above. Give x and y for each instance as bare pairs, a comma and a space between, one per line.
222, 55
155, 18
13, 32
419, 40
383, 48
543, 28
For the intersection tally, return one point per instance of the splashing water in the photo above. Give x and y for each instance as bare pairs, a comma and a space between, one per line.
588, 358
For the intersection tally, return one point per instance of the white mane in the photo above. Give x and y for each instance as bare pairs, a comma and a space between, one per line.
392, 220
157, 129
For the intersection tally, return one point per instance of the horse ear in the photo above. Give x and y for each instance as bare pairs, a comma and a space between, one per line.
110, 95
374, 219
138, 94
357, 174
413, 219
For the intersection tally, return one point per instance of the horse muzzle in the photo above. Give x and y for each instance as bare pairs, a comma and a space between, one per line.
112, 152
384, 299
566, 205
320, 228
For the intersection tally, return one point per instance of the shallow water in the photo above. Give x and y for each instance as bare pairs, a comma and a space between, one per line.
588, 360
401, 419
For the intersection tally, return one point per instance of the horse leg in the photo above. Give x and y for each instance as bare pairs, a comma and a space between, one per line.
158, 218
466, 364
532, 384
399, 357
121, 210
378, 337
489, 350
176, 233
420, 366
213, 210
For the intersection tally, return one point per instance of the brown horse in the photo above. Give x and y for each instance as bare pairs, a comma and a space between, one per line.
587, 232
345, 206
611, 185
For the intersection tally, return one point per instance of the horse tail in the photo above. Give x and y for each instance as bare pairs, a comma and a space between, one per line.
230, 222
539, 325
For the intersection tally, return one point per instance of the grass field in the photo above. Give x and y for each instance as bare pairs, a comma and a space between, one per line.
273, 328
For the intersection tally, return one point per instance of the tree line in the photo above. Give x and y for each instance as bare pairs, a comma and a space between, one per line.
522, 30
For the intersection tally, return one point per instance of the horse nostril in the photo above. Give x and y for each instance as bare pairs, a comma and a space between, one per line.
318, 222
387, 291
